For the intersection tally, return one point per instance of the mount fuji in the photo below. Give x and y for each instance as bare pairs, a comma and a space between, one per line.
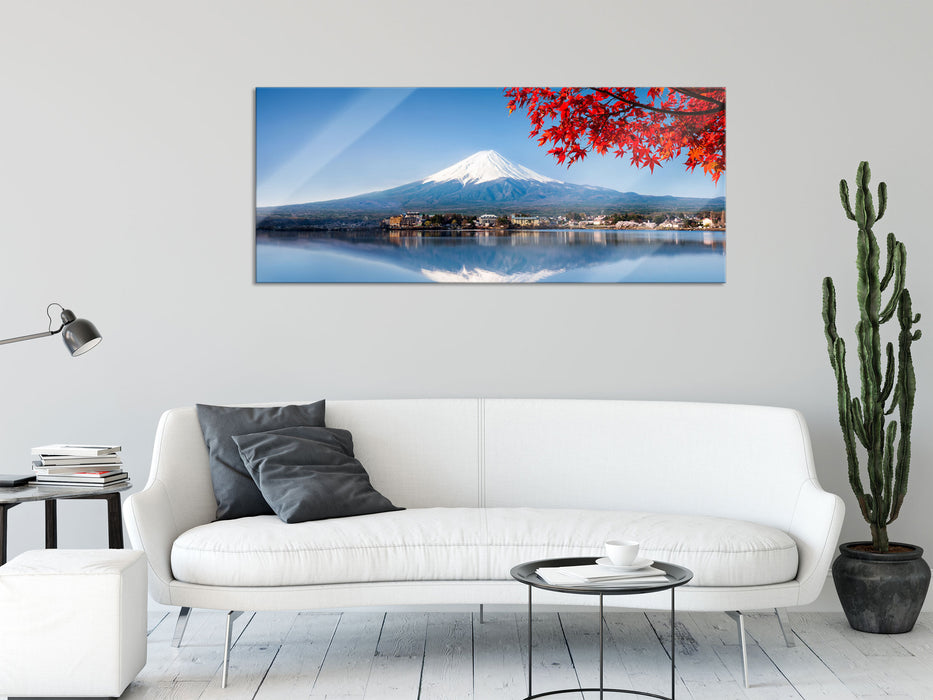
486, 166
482, 182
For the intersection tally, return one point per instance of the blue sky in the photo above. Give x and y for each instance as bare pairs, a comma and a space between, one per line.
314, 144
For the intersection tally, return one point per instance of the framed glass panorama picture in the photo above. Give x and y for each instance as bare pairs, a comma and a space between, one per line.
489, 185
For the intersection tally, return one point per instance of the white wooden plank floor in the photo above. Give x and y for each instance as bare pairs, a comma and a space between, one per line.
440, 656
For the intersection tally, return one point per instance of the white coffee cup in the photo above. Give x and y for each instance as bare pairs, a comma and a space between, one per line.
621, 552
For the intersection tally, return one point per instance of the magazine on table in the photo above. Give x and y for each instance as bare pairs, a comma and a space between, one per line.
65, 450
595, 575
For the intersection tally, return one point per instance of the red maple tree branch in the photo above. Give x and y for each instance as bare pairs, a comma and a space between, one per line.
650, 125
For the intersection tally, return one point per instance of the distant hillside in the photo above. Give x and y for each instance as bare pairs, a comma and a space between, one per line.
484, 183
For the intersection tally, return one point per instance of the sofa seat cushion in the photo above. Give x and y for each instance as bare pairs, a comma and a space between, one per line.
470, 544
440, 544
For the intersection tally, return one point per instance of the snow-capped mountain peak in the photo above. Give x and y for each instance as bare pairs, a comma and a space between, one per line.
486, 166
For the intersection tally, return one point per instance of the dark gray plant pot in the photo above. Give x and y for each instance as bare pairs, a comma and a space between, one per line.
881, 593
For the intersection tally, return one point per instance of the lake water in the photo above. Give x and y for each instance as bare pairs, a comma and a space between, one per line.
559, 255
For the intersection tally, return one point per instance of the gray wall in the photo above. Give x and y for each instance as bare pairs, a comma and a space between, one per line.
126, 183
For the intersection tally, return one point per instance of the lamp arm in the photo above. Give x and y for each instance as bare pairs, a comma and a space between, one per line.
33, 336
43, 334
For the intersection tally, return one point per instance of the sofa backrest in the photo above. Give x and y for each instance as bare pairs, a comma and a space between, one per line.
418, 452
726, 460
746, 462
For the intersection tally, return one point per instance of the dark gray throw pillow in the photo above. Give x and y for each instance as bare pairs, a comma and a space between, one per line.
234, 489
310, 473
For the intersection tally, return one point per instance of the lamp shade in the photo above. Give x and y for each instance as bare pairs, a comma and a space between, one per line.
79, 334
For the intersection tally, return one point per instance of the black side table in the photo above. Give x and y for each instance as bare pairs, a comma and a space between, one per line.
13, 496
525, 573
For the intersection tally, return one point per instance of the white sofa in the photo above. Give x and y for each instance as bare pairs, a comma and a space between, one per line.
729, 491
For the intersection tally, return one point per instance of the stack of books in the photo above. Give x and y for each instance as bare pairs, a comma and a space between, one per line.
594, 575
78, 465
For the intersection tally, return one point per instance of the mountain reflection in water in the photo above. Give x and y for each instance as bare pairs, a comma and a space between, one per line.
560, 255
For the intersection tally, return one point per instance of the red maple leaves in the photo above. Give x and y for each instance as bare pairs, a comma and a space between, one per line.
652, 125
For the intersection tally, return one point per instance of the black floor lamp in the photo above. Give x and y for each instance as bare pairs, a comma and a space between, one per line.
79, 334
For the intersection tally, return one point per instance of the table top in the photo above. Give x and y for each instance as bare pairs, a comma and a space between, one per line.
676, 575
47, 492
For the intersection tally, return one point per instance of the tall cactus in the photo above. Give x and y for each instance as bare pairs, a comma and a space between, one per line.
863, 419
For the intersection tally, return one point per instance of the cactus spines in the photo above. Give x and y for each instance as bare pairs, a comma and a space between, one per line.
885, 450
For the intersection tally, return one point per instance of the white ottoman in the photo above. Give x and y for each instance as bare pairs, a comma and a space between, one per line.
72, 622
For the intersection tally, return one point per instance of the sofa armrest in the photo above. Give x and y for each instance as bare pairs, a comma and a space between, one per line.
151, 526
815, 525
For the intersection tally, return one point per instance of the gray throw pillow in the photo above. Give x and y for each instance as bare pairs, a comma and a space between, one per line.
235, 491
308, 473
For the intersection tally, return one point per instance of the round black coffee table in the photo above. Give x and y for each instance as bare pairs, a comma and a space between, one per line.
525, 573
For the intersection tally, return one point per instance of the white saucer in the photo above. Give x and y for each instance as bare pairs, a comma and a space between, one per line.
634, 566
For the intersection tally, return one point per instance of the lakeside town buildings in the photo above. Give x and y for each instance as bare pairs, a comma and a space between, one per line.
417, 220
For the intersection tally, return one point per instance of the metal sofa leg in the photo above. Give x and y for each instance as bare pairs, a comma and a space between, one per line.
481, 620
180, 624
740, 623
784, 622
231, 616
